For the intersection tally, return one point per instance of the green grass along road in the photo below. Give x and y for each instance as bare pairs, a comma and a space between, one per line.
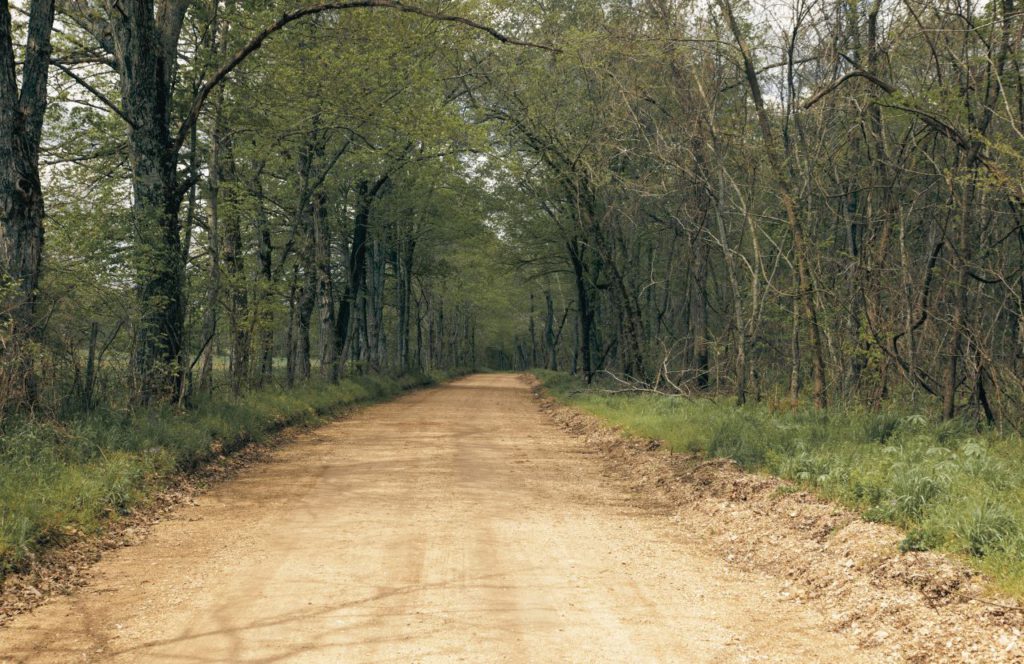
58, 477
951, 486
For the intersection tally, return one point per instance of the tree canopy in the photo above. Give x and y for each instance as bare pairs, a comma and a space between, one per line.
805, 200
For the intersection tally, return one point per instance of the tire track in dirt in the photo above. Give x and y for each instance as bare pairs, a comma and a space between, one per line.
454, 524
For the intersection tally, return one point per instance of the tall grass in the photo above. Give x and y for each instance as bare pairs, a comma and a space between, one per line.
59, 478
949, 485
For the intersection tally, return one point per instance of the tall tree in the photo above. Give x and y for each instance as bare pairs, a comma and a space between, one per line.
21, 198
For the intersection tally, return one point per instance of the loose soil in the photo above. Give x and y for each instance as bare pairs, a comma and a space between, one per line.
903, 607
460, 523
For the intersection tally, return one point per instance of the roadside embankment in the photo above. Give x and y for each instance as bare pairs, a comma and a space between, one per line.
800, 496
77, 484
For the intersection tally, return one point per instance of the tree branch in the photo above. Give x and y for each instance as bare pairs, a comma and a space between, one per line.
92, 89
936, 123
257, 40
838, 83
32, 100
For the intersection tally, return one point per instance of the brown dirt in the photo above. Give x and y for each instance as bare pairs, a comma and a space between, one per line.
67, 563
454, 524
915, 607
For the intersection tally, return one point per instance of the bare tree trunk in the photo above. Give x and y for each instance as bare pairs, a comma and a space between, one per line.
404, 281
632, 335
794, 356
21, 196
89, 384
431, 341
702, 365
533, 334
210, 314
741, 327
145, 48
950, 381
266, 275
441, 353
794, 211
584, 311
324, 288
972, 161
304, 314
213, 248
419, 336
550, 339
234, 263
375, 306
290, 344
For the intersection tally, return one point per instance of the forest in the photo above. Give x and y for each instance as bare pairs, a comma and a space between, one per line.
782, 235
808, 201
805, 201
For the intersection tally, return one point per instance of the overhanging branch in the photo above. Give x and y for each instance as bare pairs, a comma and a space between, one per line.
936, 123
70, 73
257, 40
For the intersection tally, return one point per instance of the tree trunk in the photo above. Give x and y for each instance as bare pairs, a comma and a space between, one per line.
550, 339
145, 54
533, 335
794, 356
356, 285
210, 314
951, 375
303, 316
701, 352
794, 211
289, 344
234, 264
404, 281
266, 291
21, 196
419, 336
584, 311
375, 305
324, 289
742, 337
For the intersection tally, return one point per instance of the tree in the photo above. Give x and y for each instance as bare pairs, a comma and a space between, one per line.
21, 197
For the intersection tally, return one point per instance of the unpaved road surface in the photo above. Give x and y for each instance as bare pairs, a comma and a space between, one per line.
454, 524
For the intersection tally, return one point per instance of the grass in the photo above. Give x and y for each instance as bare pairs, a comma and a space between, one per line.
949, 485
60, 478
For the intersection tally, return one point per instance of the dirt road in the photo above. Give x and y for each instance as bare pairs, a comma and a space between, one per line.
454, 524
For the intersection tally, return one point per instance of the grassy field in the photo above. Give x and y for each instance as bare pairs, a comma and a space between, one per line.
949, 485
60, 477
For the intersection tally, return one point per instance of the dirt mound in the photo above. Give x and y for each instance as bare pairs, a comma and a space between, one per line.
917, 607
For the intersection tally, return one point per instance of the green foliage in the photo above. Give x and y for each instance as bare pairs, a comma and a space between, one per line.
57, 479
951, 487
